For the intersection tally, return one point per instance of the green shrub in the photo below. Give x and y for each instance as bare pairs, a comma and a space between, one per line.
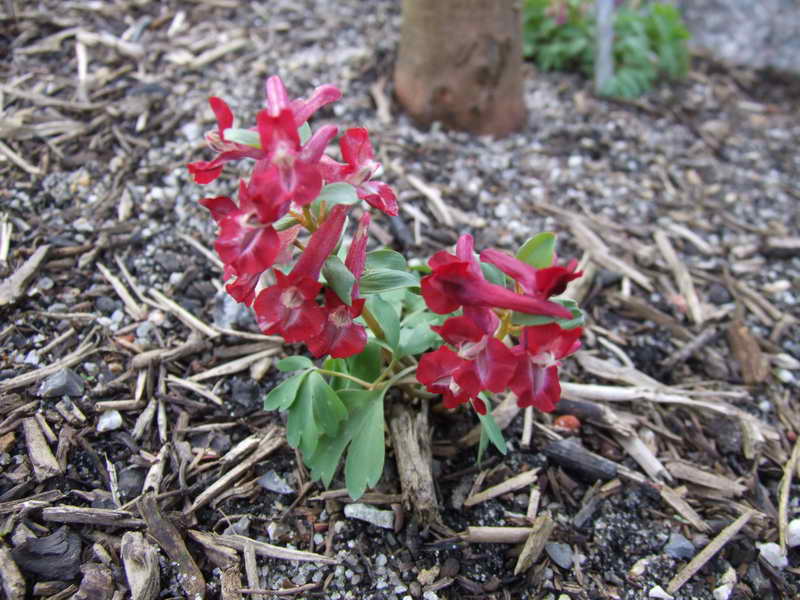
649, 42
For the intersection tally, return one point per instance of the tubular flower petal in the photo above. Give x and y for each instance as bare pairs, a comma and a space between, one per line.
535, 380
542, 283
357, 253
358, 170
227, 151
289, 308
437, 370
340, 336
277, 99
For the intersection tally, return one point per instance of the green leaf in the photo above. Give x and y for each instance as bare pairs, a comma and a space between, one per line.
418, 339
577, 319
492, 274
304, 131
294, 363
538, 251
339, 278
490, 431
367, 364
337, 193
365, 456
282, 396
248, 137
328, 408
373, 282
316, 411
385, 259
387, 317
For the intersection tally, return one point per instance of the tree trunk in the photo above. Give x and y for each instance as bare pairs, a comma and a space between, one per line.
460, 62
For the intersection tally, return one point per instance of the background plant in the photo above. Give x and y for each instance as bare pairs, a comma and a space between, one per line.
650, 42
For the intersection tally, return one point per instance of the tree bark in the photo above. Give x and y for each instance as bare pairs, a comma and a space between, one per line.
460, 62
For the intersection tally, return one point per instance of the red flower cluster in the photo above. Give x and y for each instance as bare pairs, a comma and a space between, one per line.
289, 175
475, 359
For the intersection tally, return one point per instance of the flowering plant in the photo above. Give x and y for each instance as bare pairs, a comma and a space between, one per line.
464, 327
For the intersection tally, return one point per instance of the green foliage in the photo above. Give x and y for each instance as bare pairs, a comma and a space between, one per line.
649, 42
577, 319
539, 251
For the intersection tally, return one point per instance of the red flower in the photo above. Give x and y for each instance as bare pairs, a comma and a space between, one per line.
437, 371
488, 362
289, 307
277, 99
341, 337
535, 380
206, 172
290, 171
359, 170
541, 283
457, 281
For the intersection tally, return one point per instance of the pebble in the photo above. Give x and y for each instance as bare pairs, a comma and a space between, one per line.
106, 304
109, 420
793, 533
659, 592
45, 283
228, 314
130, 481
83, 224
370, 514
66, 381
723, 592
679, 547
275, 483
771, 552
559, 553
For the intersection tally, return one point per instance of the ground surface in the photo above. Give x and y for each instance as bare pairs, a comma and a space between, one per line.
102, 105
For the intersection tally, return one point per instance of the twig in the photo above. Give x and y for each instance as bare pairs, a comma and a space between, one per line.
188, 319
783, 498
682, 277
261, 548
706, 553
13, 287
438, 205
235, 366
509, 485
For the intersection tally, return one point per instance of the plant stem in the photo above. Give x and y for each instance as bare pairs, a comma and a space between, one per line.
385, 373
360, 382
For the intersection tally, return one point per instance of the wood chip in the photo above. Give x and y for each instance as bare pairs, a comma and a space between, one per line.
184, 315
41, 456
238, 542
706, 553
682, 277
602, 255
687, 472
496, 535
541, 529
99, 517
140, 559
783, 494
272, 439
132, 307
509, 485
236, 366
12, 288
171, 542
438, 206
682, 507
196, 388
12, 583
752, 362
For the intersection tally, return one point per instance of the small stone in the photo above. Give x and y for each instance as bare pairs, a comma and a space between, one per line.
66, 381
370, 514
45, 283
793, 533
109, 420
229, 314
679, 547
723, 592
450, 568
559, 553
275, 483
239, 527
659, 592
106, 304
771, 552
83, 224
130, 481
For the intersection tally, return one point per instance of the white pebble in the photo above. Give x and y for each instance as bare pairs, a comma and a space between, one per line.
793, 533
109, 421
771, 552
658, 592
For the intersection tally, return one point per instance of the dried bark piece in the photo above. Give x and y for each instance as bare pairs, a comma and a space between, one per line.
682, 276
542, 527
11, 581
141, 566
753, 363
412, 449
12, 288
42, 458
687, 472
56, 556
509, 485
97, 583
170, 540
571, 455
238, 542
